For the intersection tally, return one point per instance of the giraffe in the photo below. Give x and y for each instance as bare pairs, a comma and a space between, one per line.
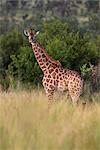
55, 76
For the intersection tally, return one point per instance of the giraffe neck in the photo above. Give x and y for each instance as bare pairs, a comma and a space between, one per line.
43, 58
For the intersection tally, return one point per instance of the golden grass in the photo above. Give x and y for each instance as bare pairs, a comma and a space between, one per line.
26, 124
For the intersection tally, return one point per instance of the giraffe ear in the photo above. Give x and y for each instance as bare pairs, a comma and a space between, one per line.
37, 32
25, 32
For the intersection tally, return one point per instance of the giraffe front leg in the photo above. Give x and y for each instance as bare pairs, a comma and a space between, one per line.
49, 89
50, 94
75, 100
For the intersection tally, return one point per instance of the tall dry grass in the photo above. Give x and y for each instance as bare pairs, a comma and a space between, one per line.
26, 124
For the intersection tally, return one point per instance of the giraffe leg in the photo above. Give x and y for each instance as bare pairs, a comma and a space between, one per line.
50, 97
75, 100
49, 92
74, 97
67, 95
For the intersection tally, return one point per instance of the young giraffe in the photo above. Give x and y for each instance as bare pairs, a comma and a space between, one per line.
55, 77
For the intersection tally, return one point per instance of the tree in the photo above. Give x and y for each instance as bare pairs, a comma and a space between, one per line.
10, 44
24, 67
72, 49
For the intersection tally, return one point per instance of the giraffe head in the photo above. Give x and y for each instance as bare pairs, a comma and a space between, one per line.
31, 34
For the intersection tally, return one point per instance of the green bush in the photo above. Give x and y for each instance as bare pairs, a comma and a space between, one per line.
72, 49
24, 67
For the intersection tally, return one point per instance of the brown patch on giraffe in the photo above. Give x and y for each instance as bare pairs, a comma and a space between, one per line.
51, 86
43, 67
56, 70
57, 81
46, 59
44, 83
41, 63
67, 75
38, 56
43, 56
59, 74
57, 77
73, 79
75, 76
61, 71
75, 86
47, 80
40, 50
54, 82
36, 53
47, 63
61, 78
50, 70
49, 76
71, 82
51, 81
77, 80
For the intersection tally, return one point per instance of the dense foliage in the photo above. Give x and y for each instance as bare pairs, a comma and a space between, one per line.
18, 63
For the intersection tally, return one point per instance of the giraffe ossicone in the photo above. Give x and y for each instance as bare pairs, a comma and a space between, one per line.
55, 76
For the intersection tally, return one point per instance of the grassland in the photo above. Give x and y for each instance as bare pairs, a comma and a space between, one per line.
26, 123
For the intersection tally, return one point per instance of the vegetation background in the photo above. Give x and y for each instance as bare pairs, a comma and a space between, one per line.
70, 33
69, 30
